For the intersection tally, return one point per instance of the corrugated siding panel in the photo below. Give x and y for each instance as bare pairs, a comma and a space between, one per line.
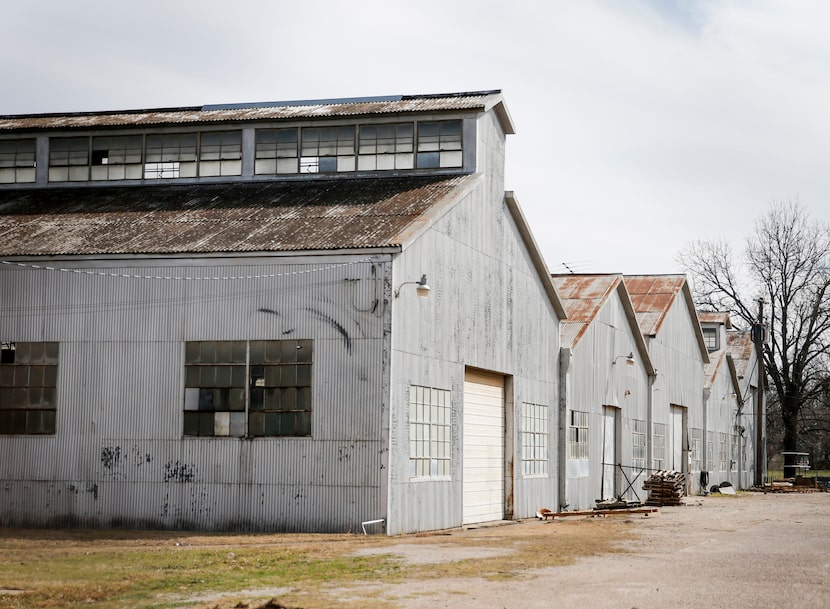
119, 458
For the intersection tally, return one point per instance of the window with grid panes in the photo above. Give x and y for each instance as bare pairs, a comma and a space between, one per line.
659, 445
578, 435
733, 467
117, 158
248, 388
327, 149
68, 159
276, 151
723, 450
385, 147
429, 432
439, 144
170, 155
638, 443
17, 161
534, 439
710, 339
220, 153
28, 387
695, 447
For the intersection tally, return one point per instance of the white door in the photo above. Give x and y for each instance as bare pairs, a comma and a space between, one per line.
677, 440
609, 452
483, 448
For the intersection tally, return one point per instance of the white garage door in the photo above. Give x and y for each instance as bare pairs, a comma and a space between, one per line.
483, 457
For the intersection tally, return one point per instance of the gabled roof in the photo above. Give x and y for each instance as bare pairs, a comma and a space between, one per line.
584, 296
653, 297
714, 317
711, 370
261, 111
742, 350
222, 218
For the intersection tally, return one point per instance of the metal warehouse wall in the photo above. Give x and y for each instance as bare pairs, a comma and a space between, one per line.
119, 457
488, 310
599, 377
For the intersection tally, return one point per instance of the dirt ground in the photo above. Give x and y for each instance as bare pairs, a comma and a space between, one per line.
753, 550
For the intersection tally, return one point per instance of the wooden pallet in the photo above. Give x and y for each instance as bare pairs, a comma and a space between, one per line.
665, 487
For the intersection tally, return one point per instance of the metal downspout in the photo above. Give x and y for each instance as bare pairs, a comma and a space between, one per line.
565, 356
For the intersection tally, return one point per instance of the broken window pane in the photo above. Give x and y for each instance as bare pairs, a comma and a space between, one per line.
220, 383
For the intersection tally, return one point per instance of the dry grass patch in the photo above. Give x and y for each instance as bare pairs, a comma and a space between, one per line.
136, 570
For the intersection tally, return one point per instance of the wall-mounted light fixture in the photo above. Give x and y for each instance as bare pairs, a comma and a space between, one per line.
421, 287
629, 359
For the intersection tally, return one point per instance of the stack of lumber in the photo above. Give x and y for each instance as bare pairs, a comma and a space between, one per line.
665, 487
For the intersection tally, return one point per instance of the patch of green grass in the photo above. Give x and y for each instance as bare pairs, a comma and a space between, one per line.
140, 577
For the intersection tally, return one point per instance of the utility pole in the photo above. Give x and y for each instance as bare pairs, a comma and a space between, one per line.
759, 337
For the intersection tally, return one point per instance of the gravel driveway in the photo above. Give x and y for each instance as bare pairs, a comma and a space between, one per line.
752, 550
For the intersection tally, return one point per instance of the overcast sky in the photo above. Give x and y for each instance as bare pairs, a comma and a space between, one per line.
641, 124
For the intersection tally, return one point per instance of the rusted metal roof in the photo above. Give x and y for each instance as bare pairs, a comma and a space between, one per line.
260, 111
710, 371
582, 297
742, 350
653, 296
714, 317
219, 218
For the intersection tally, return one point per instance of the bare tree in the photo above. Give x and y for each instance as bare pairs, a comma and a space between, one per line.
787, 263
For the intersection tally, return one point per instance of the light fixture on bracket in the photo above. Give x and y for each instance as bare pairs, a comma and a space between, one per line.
629, 359
421, 287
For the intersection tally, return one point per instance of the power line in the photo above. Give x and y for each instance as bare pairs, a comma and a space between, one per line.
173, 278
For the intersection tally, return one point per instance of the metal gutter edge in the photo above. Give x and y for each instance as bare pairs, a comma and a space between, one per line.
229, 256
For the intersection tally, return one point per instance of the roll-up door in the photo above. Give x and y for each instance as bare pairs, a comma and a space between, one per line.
483, 457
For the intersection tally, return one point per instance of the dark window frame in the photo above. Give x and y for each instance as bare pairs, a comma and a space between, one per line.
248, 389
28, 388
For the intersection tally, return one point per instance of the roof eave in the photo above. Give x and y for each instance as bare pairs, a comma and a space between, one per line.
535, 254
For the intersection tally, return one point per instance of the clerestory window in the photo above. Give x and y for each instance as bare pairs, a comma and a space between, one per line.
17, 161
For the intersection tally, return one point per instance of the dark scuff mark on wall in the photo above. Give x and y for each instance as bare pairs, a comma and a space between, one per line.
344, 453
269, 311
299, 496
140, 458
110, 456
178, 472
347, 341
92, 488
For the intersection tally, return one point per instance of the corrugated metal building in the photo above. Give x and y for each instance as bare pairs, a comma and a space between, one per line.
669, 323
605, 393
729, 400
210, 319
745, 360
